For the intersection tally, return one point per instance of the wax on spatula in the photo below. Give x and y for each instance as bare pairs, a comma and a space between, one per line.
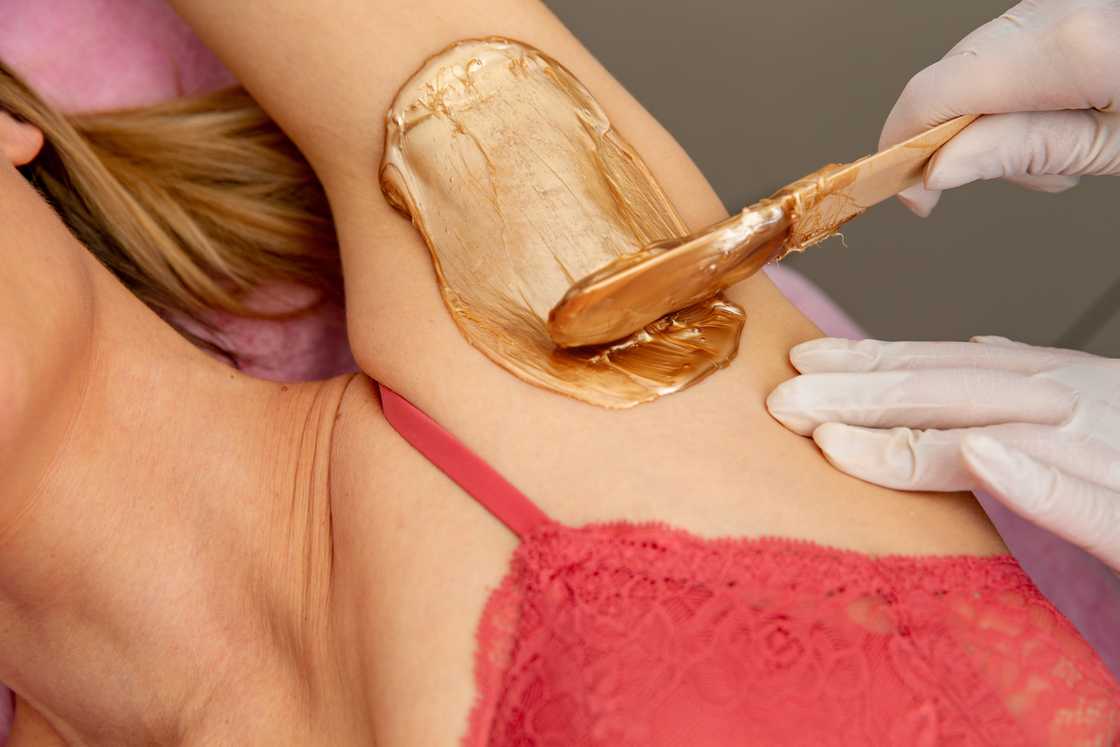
641, 287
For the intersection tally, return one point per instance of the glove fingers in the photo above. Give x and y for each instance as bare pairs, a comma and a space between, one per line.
908, 459
1052, 356
1086, 459
919, 200
1017, 62
999, 340
998, 30
1029, 145
830, 354
1051, 183
1083, 512
948, 398
900, 458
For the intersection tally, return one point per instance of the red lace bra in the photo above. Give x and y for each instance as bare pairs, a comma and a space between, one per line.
621, 634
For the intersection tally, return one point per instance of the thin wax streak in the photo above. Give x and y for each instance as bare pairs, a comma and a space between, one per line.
512, 173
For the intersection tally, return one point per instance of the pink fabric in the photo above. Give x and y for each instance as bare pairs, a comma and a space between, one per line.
97, 54
643, 635
813, 303
309, 348
1078, 584
623, 634
85, 55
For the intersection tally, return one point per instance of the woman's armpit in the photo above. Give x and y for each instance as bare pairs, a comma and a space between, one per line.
520, 186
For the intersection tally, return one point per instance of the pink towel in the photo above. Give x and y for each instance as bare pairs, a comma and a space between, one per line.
86, 55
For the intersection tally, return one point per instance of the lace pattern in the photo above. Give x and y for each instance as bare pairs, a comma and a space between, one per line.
624, 634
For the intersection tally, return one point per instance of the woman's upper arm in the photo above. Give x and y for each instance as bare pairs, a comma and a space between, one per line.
327, 71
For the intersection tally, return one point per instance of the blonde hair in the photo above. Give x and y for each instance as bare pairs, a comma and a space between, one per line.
190, 203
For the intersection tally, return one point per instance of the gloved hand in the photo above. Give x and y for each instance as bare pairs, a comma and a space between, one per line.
1048, 73
1037, 428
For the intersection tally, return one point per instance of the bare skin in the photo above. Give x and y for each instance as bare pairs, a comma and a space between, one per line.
709, 459
159, 584
161, 519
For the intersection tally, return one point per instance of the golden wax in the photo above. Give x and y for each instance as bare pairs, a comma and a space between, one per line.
513, 175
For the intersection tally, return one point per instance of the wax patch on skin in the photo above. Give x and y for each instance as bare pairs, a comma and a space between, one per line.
512, 173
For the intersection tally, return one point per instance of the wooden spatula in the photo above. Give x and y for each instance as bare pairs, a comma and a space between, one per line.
636, 289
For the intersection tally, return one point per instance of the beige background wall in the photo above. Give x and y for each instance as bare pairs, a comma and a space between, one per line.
993, 259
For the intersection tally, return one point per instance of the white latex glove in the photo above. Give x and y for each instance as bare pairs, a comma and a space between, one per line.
1048, 73
1037, 428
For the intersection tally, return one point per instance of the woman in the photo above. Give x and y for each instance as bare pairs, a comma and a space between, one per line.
249, 562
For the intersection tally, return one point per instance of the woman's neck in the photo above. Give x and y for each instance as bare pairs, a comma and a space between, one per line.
179, 546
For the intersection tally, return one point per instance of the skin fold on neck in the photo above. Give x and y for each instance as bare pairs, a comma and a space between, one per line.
170, 580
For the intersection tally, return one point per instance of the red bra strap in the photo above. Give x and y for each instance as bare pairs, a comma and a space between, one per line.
462, 465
